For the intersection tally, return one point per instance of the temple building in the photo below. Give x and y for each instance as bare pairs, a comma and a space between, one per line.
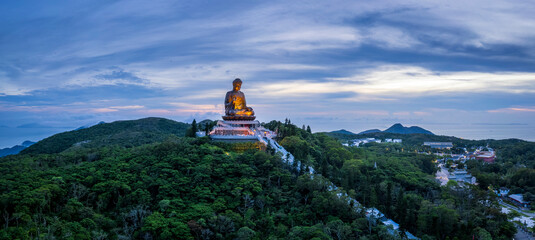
439, 145
486, 156
239, 124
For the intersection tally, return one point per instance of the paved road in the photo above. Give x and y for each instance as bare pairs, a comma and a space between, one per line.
442, 175
531, 215
521, 235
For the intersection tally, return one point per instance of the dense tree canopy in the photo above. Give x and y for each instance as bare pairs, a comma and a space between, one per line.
192, 188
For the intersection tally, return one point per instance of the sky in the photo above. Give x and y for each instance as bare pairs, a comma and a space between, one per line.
456, 68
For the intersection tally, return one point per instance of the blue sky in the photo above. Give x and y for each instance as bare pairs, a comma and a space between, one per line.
463, 68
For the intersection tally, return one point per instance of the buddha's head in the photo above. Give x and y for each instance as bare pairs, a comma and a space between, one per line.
236, 84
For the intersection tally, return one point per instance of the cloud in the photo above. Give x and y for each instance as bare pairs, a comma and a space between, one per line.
306, 39
153, 46
394, 82
530, 109
390, 37
111, 76
295, 67
9, 87
197, 107
509, 20
127, 107
119, 75
399, 80
104, 110
523, 109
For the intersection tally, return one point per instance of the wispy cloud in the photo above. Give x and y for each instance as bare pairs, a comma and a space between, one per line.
127, 107
390, 37
514, 109
399, 80
327, 62
392, 82
104, 110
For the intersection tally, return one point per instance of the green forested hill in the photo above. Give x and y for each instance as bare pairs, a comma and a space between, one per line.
177, 189
514, 167
417, 139
187, 188
124, 133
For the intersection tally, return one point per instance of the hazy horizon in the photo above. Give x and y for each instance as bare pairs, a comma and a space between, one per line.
462, 68
16, 135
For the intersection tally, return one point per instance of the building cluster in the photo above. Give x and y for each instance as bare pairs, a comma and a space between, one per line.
487, 156
451, 164
484, 154
462, 176
450, 169
361, 141
516, 199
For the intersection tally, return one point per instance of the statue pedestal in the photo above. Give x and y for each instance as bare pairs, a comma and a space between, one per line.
238, 118
239, 130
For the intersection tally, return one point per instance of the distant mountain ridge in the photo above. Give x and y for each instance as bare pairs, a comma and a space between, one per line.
15, 149
397, 128
400, 129
343, 131
89, 125
370, 131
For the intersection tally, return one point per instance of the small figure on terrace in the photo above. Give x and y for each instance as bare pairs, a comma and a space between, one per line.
235, 104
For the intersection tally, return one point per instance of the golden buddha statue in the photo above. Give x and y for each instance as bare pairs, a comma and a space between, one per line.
235, 105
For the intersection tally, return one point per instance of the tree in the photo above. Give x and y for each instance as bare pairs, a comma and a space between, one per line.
198, 188
245, 233
482, 234
192, 131
338, 230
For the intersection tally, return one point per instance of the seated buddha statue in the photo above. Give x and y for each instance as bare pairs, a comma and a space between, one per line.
235, 105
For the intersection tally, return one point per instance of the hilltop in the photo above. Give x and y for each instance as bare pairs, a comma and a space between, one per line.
396, 128
370, 131
343, 131
126, 133
417, 139
400, 129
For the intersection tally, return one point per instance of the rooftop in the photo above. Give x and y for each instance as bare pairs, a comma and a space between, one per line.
518, 197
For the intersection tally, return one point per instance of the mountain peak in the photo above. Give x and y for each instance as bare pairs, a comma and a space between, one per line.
375, 130
27, 143
343, 131
400, 129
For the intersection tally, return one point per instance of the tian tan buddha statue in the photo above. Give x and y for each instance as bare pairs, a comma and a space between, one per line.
235, 105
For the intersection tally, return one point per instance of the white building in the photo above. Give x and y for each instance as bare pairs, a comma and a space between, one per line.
439, 145
462, 176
